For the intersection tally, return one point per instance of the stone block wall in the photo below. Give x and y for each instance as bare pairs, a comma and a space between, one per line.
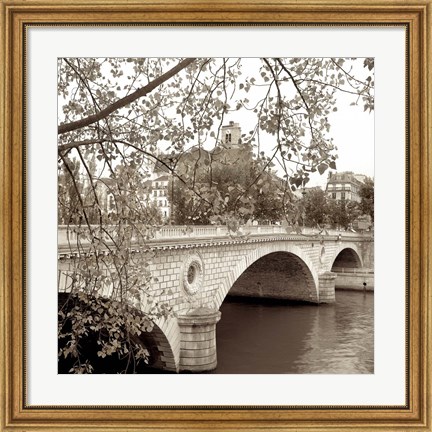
222, 265
354, 281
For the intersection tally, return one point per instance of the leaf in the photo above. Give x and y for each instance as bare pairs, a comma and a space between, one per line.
322, 167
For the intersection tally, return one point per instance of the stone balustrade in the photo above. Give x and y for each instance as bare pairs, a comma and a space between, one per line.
67, 234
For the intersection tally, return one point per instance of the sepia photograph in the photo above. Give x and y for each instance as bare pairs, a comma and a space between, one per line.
215, 215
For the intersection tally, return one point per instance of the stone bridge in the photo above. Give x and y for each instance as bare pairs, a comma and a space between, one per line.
195, 269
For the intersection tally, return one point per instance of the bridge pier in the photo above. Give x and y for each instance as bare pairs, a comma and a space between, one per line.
198, 340
326, 283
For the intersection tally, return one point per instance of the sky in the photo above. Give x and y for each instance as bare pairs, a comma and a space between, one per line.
353, 133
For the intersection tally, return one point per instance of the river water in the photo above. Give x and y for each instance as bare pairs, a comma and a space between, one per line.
269, 337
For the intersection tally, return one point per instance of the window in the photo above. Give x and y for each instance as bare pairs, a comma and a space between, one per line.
111, 202
161, 193
160, 203
334, 195
342, 195
155, 193
228, 136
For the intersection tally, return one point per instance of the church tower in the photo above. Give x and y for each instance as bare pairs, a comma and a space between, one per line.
231, 134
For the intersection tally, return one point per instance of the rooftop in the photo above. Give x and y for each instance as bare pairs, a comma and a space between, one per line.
345, 177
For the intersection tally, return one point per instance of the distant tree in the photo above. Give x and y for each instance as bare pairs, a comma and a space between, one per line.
270, 204
315, 207
342, 214
186, 208
228, 177
366, 193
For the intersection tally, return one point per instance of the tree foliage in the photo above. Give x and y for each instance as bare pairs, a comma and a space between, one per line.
231, 178
315, 206
117, 115
366, 193
342, 214
317, 210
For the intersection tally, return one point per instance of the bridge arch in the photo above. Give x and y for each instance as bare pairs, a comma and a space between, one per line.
163, 342
274, 254
346, 256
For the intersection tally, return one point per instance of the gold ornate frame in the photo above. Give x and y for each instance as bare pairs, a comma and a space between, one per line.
15, 15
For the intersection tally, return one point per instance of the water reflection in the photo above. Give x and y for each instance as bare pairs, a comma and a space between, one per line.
297, 338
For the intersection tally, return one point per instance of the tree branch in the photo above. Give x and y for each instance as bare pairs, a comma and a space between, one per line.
294, 82
63, 147
301, 95
143, 91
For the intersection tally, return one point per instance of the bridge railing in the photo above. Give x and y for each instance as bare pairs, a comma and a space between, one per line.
69, 234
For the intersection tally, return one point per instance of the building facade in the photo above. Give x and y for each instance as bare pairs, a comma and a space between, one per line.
344, 186
159, 195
